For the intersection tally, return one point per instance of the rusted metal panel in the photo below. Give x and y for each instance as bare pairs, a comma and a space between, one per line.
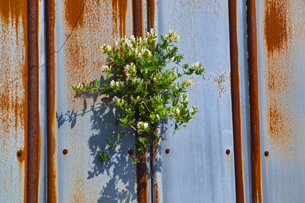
254, 103
34, 138
244, 99
240, 99
280, 53
79, 129
199, 163
14, 100
236, 107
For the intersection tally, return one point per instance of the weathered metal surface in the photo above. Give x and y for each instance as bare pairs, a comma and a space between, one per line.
52, 188
254, 103
280, 53
236, 99
14, 100
244, 99
34, 139
197, 168
79, 122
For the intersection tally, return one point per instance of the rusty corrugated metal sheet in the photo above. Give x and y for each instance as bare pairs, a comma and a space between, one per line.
34, 136
51, 96
14, 100
254, 103
244, 98
79, 127
280, 53
198, 167
236, 102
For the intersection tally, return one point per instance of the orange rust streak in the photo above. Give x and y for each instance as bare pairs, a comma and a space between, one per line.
51, 94
151, 6
14, 86
74, 14
278, 77
276, 32
137, 18
254, 104
236, 111
14, 9
33, 105
119, 11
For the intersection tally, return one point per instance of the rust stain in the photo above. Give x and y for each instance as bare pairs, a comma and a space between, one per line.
74, 13
221, 80
14, 98
257, 193
137, 18
236, 111
157, 191
33, 105
229, 175
51, 95
267, 169
276, 25
282, 132
151, 6
102, 22
12, 11
119, 12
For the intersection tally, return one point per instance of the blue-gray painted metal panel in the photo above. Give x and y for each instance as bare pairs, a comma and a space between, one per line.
244, 97
82, 119
197, 168
281, 43
42, 190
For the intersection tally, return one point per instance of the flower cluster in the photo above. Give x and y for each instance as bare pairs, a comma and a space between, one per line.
130, 71
146, 91
172, 36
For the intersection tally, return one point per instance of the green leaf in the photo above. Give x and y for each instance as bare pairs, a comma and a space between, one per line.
152, 68
97, 83
107, 90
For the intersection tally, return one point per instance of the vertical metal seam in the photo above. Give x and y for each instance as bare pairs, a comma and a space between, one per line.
142, 196
51, 94
236, 108
254, 103
33, 163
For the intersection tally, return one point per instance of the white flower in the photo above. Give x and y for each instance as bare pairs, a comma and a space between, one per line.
112, 83
145, 125
178, 111
158, 117
195, 66
132, 38
108, 48
191, 111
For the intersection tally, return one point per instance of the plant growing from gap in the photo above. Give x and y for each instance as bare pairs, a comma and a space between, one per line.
144, 89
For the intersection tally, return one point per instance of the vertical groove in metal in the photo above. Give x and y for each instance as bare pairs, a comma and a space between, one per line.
51, 127
33, 104
142, 196
236, 111
254, 103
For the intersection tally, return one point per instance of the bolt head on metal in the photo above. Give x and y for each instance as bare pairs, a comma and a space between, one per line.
227, 151
130, 152
167, 150
266, 153
19, 153
65, 151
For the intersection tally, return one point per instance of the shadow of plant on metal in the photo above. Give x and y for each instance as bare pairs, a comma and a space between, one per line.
117, 176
